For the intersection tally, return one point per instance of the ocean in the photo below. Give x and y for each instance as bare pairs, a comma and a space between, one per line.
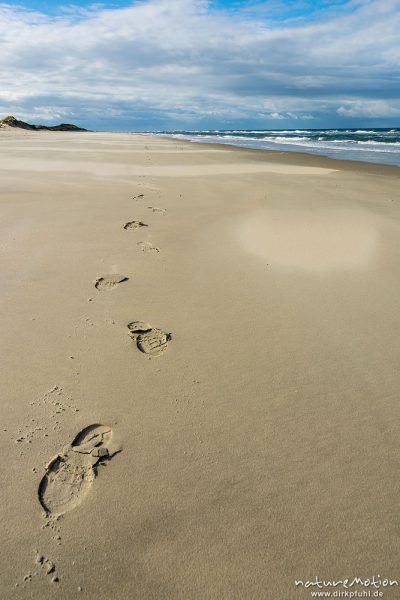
370, 145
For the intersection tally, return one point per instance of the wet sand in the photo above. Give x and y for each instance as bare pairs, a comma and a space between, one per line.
200, 350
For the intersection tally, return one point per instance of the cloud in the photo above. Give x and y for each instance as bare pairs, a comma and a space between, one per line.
368, 108
159, 63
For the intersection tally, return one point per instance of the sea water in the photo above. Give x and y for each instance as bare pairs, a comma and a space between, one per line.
369, 145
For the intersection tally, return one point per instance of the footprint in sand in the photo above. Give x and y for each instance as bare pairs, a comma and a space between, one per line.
71, 473
134, 225
148, 339
148, 247
108, 282
155, 209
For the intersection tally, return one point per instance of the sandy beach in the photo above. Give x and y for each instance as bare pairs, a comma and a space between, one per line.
200, 357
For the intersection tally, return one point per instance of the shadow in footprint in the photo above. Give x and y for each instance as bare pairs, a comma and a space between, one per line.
108, 282
71, 473
148, 339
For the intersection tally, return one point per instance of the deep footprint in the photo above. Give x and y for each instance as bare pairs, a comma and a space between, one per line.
71, 473
108, 282
134, 225
148, 339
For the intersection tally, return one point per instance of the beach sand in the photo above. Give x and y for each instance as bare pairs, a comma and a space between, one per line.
249, 420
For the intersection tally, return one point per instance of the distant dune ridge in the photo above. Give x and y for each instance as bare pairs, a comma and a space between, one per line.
11, 121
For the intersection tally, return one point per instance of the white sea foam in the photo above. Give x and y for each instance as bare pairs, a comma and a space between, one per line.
381, 146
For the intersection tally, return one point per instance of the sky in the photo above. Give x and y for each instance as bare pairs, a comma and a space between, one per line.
150, 65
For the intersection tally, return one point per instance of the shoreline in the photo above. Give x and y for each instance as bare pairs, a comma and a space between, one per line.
302, 158
283, 157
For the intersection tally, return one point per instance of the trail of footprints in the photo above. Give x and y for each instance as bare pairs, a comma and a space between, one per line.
70, 474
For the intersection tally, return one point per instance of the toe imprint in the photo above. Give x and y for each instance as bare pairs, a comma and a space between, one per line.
70, 475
